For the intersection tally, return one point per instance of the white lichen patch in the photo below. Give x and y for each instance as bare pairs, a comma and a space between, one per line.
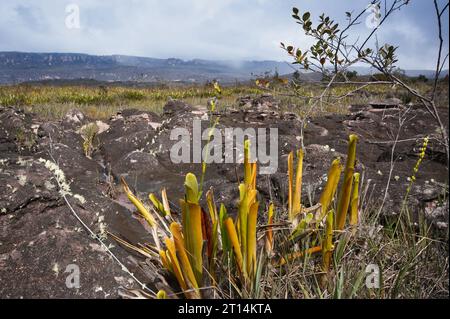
155, 125
80, 198
22, 179
102, 228
3, 211
98, 289
55, 269
59, 175
48, 185
23, 162
102, 126
35, 128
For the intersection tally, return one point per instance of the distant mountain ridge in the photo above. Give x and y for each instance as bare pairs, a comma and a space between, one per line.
19, 67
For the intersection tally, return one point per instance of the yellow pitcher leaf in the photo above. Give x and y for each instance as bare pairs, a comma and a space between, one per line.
344, 196
251, 239
226, 246
297, 196
329, 191
211, 206
158, 205
181, 249
138, 204
194, 238
355, 201
165, 201
175, 264
247, 164
165, 260
254, 173
232, 235
290, 181
191, 187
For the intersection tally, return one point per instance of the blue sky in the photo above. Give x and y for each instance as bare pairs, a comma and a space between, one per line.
208, 29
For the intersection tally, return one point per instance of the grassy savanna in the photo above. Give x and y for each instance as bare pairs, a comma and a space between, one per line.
100, 102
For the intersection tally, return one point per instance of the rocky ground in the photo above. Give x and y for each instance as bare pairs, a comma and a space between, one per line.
40, 236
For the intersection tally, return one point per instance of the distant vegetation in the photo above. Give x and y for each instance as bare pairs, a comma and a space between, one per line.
101, 101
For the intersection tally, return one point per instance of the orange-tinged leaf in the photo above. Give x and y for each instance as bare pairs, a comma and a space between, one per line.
232, 235
175, 264
186, 267
254, 173
165, 260
298, 254
242, 219
251, 239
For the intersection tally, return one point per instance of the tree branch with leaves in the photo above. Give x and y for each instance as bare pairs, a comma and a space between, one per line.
333, 54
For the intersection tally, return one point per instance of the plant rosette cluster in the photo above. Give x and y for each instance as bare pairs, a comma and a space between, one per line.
208, 250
